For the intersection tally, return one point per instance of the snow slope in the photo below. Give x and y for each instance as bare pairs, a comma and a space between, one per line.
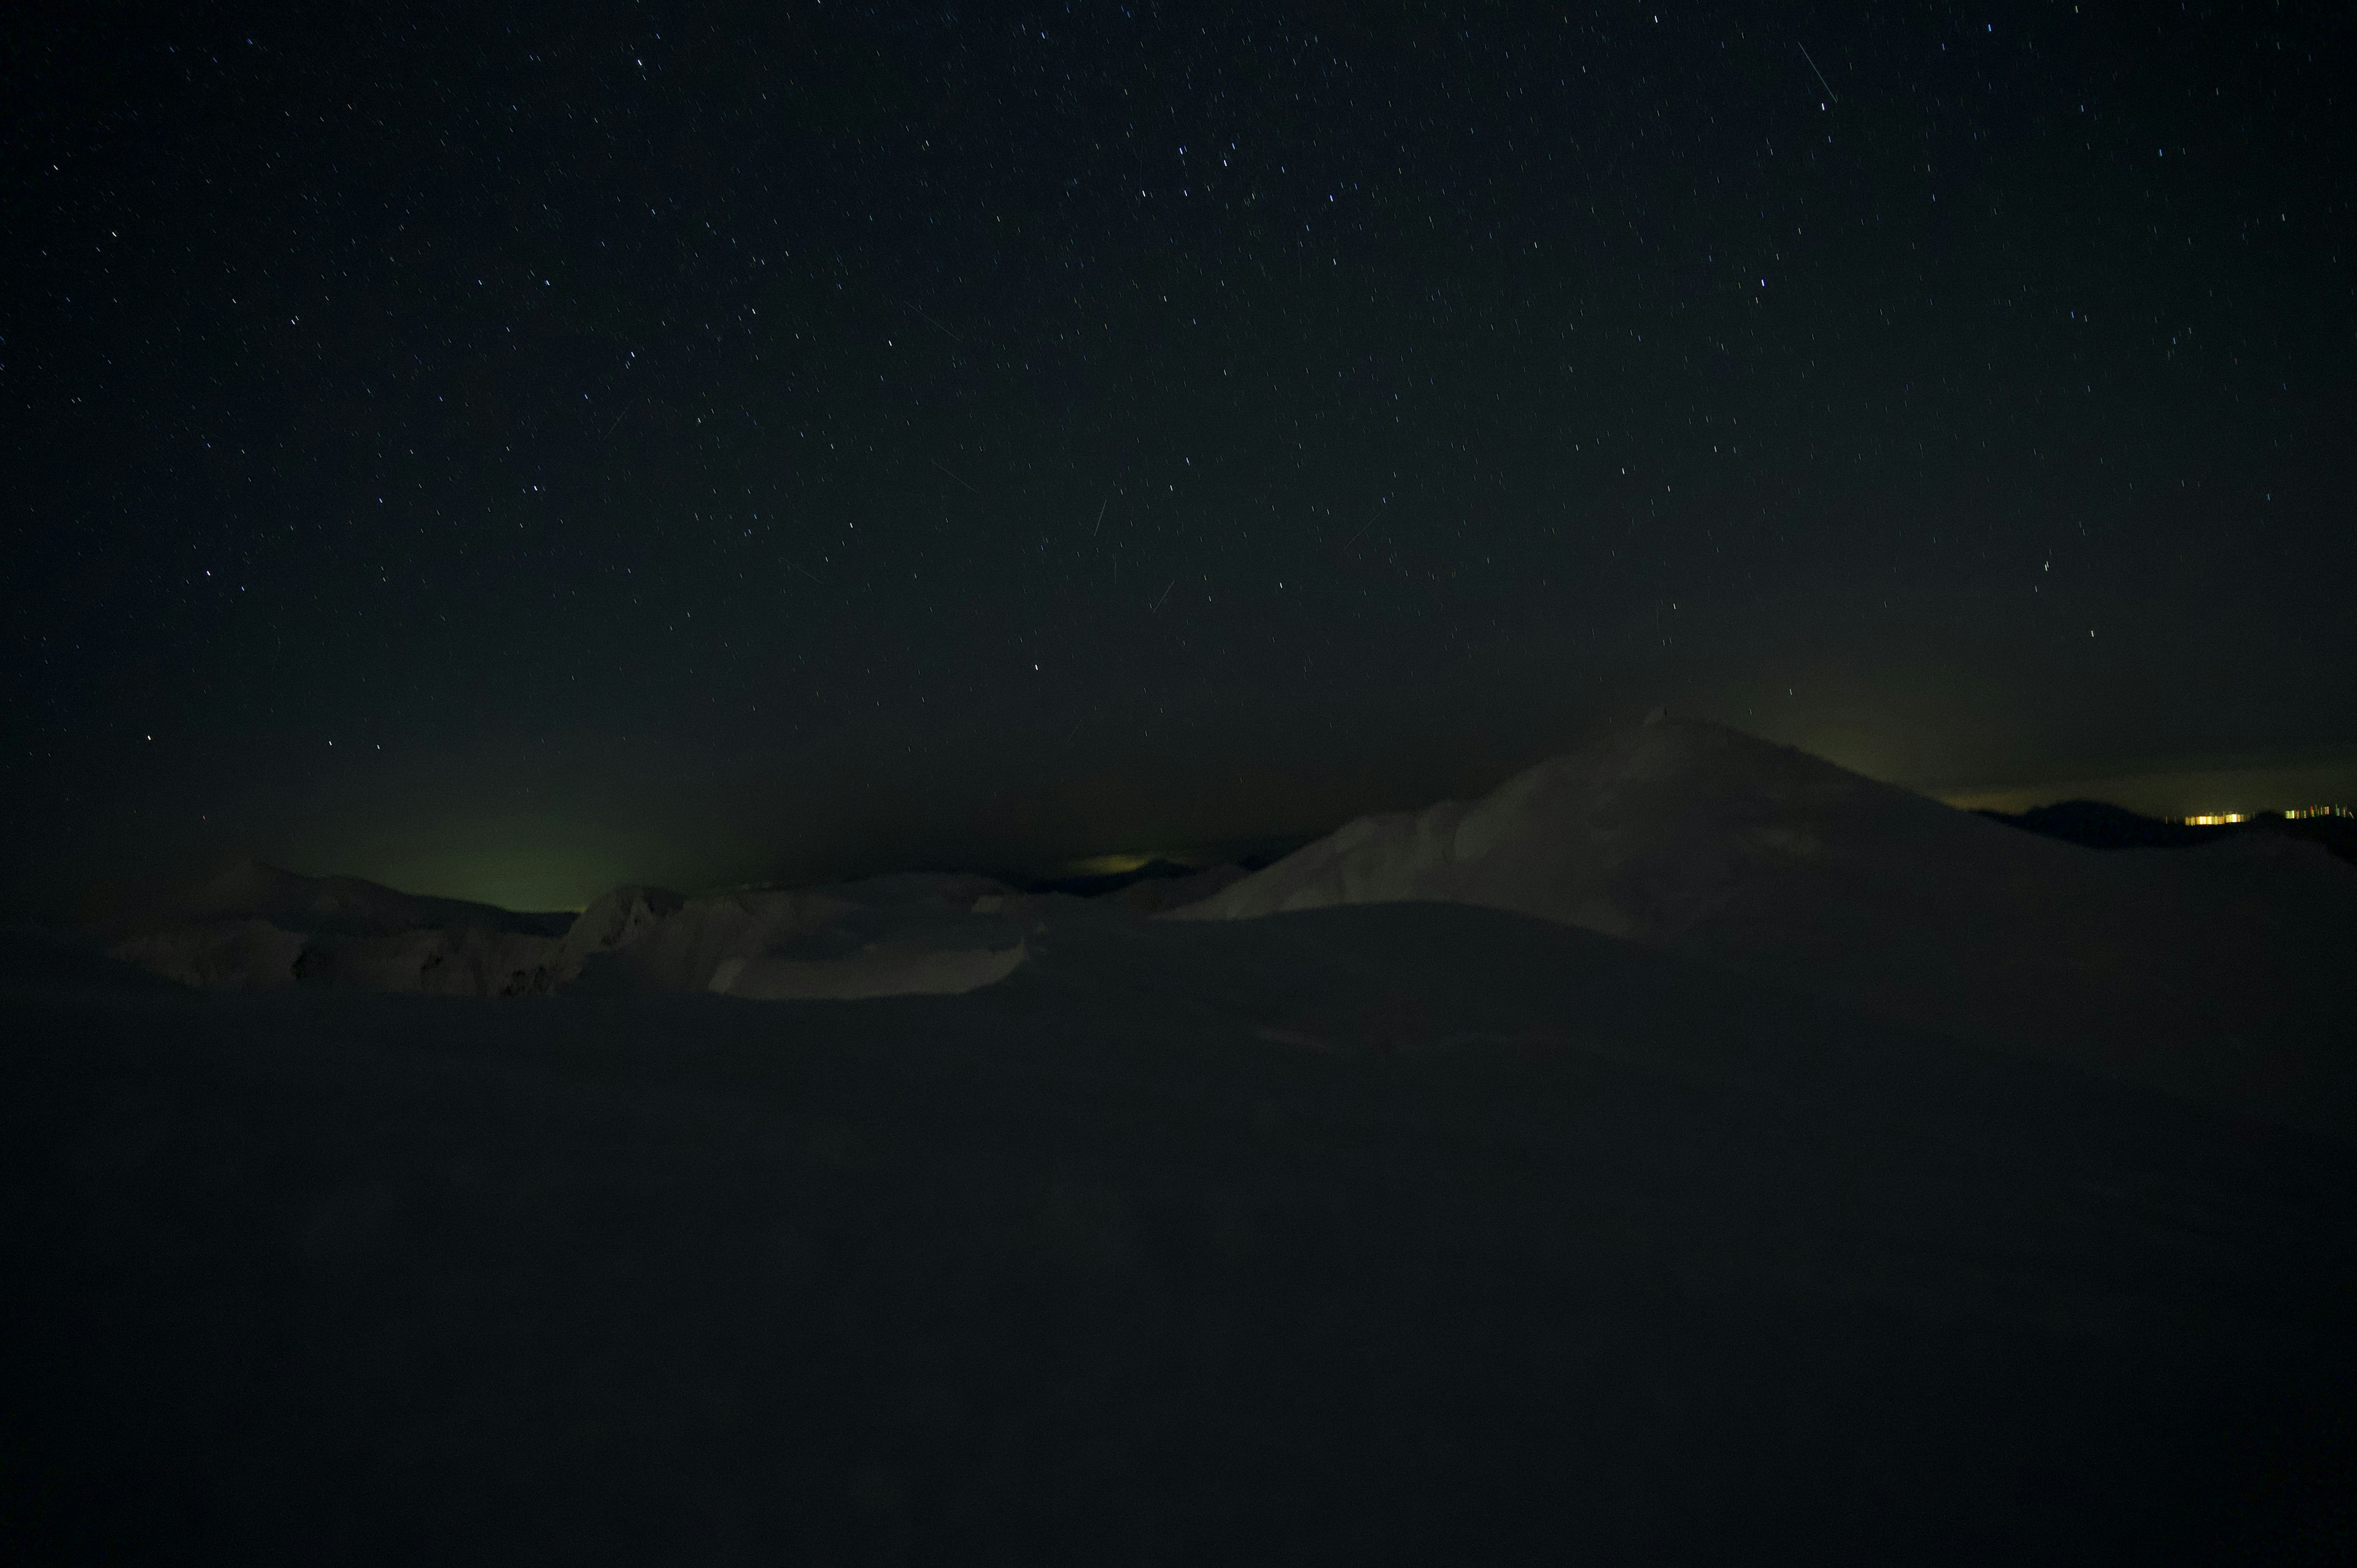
267, 931
1390, 1233
2222, 975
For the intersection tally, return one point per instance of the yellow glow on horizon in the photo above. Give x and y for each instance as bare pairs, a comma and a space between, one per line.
1115, 865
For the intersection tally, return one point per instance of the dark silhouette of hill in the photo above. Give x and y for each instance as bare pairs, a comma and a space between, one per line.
2337, 834
1242, 859
2099, 824
1102, 883
246, 889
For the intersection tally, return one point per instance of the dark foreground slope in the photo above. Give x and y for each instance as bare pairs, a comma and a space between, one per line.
1395, 1233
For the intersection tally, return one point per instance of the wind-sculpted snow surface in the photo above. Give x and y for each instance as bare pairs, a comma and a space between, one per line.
2223, 973
218, 955
891, 936
887, 936
883, 969
1400, 1233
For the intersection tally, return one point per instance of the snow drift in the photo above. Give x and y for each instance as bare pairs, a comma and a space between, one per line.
258, 929
2220, 973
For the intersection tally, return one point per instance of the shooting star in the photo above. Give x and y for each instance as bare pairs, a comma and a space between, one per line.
931, 322
1828, 86
953, 476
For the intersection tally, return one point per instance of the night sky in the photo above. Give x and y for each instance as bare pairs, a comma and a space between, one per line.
509, 451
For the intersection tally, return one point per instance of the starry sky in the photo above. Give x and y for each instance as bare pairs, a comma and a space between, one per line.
509, 450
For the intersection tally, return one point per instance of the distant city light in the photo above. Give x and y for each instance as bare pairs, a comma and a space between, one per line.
2293, 814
